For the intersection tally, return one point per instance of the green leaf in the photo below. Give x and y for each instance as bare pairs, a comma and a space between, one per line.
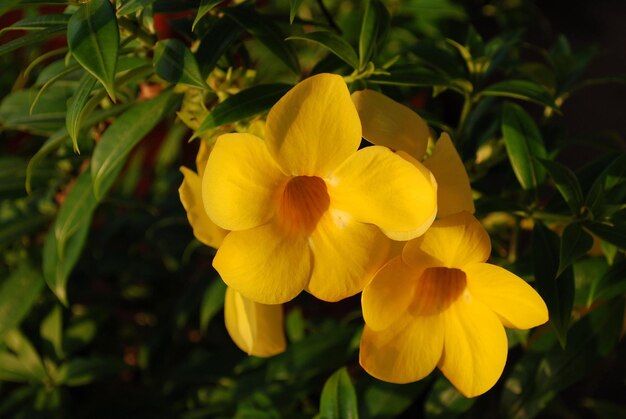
51, 331
205, 7
131, 6
610, 177
81, 371
18, 293
215, 42
523, 143
65, 72
522, 89
212, 302
11, 4
120, 138
17, 227
417, 77
557, 292
175, 63
93, 38
26, 354
76, 109
445, 401
381, 400
610, 285
294, 5
575, 242
245, 104
373, 31
30, 38
266, 32
611, 233
338, 399
39, 22
332, 42
566, 182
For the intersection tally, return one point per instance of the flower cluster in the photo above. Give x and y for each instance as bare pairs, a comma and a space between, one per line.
300, 206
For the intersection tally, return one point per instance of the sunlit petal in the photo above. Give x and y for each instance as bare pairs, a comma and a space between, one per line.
204, 151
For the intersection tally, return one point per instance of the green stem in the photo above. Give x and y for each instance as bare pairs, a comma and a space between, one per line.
465, 111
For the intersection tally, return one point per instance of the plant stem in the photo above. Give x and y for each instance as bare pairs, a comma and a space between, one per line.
328, 16
465, 111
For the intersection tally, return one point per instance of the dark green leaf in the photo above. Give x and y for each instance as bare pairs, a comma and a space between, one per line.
205, 7
338, 399
611, 233
445, 401
557, 292
215, 42
119, 139
212, 302
611, 284
45, 120
575, 242
521, 89
30, 38
51, 331
294, 5
566, 182
523, 144
18, 293
39, 22
610, 177
81, 371
373, 31
10, 4
245, 104
381, 400
131, 6
93, 38
266, 32
419, 76
20, 226
76, 109
332, 42
175, 63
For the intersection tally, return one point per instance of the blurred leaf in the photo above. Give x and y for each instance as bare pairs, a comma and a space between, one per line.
47, 118
523, 143
575, 242
609, 285
81, 371
266, 32
10, 4
418, 76
119, 139
65, 72
78, 335
522, 89
175, 63
566, 182
20, 226
215, 42
441, 57
204, 8
243, 105
58, 21
131, 6
93, 38
212, 302
294, 5
51, 331
26, 354
332, 42
18, 293
76, 108
338, 399
381, 400
295, 325
557, 292
611, 175
445, 401
616, 235
30, 39
374, 29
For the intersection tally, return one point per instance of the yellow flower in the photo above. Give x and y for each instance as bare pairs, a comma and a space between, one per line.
307, 210
439, 304
390, 124
256, 329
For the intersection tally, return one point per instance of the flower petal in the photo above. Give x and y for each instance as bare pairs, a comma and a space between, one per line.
475, 346
379, 187
451, 242
407, 351
264, 264
204, 229
256, 329
515, 302
314, 127
454, 193
386, 122
204, 151
389, 294
346, 254
241, 182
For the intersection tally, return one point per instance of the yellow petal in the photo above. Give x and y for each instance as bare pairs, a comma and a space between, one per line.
386, 122
264, 264
475, 346
204, 229
346, 254
389, 294
451, 242
256, 329
379, 187
454, 193
515, 302
204, 151
241, 182
407, 351
314, 127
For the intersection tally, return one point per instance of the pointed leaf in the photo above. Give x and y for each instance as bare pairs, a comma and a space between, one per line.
205, 7
566, 182
294, 5
522, 89
332, 42
76, 109
175, 63
212, 302
373, 31
575, 242
338, 399
18, 293
215, 42
131, 6
614, 234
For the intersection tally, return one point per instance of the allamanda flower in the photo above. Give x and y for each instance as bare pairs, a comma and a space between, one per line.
256, 329
439, 304
305, 209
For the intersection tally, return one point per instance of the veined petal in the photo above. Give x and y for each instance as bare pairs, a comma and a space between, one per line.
451, 242
515, 302
454, 193
264, 264
389, 294
346, 254
241, 182
406, 351
379, 187
475, 346
386, 122
204, 229
256, 329
314, 127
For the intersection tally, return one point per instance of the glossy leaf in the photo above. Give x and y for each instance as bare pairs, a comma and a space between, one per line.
523, 144
521, 89
205, 7
566, 182
76, 109
575, 242
338, 399
175, 63
93, 38
332, 42
18, 293
374, 29
119, 139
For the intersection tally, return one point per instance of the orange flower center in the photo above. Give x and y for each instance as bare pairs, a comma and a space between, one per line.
303, 202
438, 288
